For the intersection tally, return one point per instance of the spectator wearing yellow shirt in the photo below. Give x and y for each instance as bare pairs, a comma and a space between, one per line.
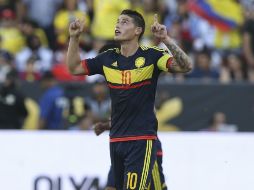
64, 16
106, 13
148, 8
12, 39
29, 27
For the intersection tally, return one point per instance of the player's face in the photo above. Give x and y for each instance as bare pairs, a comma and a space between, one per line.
125, 29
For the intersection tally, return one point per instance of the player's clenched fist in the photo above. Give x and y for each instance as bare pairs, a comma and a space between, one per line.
76, 28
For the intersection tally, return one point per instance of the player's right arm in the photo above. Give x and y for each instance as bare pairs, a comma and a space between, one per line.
73, 58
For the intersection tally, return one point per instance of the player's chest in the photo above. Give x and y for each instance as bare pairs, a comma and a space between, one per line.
128, 71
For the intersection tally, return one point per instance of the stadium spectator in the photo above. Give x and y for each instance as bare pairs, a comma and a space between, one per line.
60, 70
16, 6
29, 28
95, 108
219, 124
105, 15
202, 68
77, 115
6, 64
12, 39
148, 8
248, 41
12, 104
42, 12
180, 26
233, 69
67, 14
52, 104
43, 55
30, 73
99, 102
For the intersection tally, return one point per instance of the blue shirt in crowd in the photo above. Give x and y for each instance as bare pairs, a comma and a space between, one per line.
52, 104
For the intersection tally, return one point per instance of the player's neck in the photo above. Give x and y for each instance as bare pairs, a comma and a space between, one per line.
129, 48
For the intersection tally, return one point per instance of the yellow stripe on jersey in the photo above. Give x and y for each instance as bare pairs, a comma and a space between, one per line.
144, 47
156, 177
162, 62
157, 48
146, 165
128, 76
153, 47
117, 50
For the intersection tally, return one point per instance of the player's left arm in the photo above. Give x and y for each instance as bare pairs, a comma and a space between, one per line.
100, 127
181, 63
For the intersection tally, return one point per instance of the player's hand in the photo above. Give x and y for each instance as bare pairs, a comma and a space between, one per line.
100, 128
76, 27
159, 30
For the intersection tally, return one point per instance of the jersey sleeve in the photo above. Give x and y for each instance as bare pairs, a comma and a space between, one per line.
95, 65
164, 60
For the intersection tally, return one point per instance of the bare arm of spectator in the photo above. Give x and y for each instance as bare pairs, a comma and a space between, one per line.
73, 57
247, 48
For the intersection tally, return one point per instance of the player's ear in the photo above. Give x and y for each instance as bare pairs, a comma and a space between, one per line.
138, 31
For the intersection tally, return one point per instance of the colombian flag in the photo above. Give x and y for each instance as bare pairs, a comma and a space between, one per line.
224, 14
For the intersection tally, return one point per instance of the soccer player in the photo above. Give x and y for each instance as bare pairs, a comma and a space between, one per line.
131, 73
158, 179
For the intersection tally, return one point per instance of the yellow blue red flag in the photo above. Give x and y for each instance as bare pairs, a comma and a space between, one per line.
224, 14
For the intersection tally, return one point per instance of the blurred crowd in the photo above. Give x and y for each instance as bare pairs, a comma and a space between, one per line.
34, 40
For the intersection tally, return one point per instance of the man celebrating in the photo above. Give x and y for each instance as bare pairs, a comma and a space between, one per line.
131, 73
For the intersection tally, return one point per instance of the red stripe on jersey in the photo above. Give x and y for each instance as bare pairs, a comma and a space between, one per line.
125, 87
159, 153
169, 62
84, 65
134, 138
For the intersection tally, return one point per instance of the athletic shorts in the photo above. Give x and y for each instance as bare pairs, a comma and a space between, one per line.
132, 163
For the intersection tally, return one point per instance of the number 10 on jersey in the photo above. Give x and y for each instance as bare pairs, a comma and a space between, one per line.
126, 77
132, 179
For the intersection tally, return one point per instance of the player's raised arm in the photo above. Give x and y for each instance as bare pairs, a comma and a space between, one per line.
73, 57
181, 62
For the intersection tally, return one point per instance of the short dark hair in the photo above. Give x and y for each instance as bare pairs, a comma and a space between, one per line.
138, 19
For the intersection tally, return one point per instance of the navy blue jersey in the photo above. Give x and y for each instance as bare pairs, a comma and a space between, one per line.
132, 82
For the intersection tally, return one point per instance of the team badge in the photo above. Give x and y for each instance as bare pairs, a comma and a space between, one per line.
140, 62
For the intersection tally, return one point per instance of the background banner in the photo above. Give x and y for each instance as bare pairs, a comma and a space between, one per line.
80, 161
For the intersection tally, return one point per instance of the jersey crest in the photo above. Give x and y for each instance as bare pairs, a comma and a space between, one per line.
140, 62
